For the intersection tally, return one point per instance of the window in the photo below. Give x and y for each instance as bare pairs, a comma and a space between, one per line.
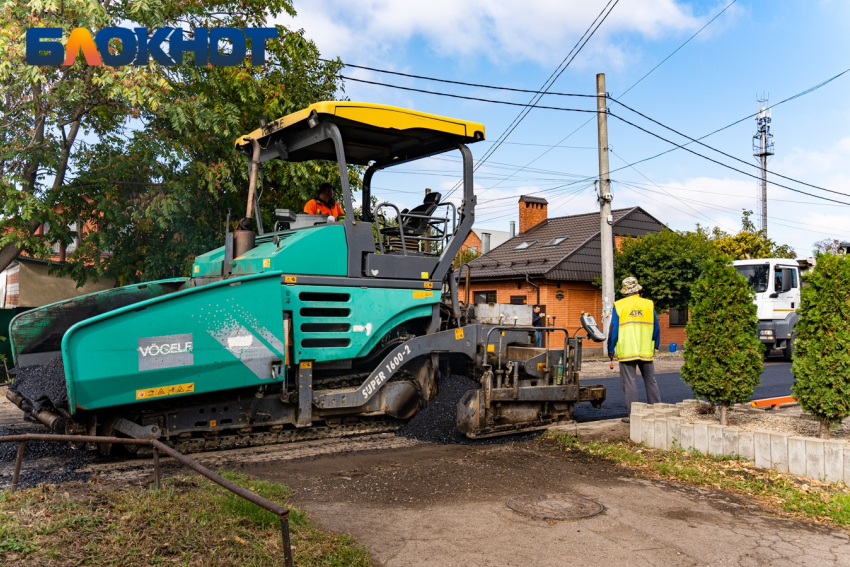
555, 241
485, 296
473, 249
756, 276
678, 317
777, 278
519, 300
525, 245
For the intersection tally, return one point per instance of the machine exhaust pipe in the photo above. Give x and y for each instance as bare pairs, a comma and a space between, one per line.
243, 236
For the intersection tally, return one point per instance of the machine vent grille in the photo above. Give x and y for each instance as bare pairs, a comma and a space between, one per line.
324, 297
325, 327
325, 312
325, 343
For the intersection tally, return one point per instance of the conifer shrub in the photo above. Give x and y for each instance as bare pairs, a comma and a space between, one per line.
723, 358
822, 349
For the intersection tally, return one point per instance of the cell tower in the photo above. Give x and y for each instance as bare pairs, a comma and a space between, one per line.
762, 148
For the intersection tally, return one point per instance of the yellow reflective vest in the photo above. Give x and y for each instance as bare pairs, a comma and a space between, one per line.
635, 330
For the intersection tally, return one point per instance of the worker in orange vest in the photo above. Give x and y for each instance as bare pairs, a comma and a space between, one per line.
324, 204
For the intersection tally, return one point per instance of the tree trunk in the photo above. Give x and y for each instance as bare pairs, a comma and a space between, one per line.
723, 418
824, 428
10, 252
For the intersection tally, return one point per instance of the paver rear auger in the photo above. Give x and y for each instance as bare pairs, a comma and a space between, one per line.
315, 329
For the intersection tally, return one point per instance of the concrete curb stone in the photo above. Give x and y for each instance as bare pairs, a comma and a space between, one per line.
661, 426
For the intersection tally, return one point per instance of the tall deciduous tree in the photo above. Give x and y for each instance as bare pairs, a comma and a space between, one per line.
750, 243
723, 358
666, 264
156, 169
822, 350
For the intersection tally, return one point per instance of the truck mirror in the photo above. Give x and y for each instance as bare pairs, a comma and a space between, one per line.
787, 279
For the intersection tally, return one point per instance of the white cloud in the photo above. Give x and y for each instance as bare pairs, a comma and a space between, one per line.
542, 31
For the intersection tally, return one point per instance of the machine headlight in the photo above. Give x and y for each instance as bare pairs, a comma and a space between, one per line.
766, 333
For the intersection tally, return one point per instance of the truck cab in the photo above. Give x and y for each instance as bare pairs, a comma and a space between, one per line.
776, 282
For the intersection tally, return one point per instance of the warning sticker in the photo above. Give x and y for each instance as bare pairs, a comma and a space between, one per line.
424, 275
428, 285
267, 262
197, 269
422, 294
163, 391
458, 334
290, 279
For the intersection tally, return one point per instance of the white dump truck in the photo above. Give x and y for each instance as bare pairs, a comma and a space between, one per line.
776, 282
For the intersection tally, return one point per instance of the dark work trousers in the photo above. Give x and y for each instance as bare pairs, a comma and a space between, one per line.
628, 379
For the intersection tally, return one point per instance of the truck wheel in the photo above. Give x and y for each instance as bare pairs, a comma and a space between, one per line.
788, 353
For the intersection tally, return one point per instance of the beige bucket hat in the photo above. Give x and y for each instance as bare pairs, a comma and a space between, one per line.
630, 285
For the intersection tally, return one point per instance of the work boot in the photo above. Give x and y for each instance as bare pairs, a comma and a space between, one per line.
626, 420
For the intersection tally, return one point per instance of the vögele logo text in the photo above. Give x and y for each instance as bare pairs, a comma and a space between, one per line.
140, 45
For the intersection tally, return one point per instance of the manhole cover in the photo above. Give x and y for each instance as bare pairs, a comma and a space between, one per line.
554, 506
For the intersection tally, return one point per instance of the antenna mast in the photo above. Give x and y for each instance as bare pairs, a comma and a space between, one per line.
762, 148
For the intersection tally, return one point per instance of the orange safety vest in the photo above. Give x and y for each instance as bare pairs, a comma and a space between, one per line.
316, 207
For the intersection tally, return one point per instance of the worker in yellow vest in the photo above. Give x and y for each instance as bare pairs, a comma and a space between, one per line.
634, 337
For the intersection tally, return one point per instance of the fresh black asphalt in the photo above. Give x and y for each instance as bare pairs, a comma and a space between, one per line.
776, 381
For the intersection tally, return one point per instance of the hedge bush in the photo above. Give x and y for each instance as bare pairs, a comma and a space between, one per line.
822, 350
723, 358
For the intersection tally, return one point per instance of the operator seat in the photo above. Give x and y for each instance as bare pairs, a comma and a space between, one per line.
415, 226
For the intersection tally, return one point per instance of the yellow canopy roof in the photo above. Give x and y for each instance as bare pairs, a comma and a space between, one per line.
369, 132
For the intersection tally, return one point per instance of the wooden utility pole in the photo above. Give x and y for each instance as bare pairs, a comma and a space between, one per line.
605, 218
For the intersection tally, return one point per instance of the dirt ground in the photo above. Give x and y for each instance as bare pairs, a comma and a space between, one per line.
445, 505
413, 503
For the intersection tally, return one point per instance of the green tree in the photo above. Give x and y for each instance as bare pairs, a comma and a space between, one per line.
749, 243
666, 264
463, 257
821, 365
723, 358
157, 170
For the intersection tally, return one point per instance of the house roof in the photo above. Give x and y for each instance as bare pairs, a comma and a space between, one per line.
497, 237
563, 248
530, 199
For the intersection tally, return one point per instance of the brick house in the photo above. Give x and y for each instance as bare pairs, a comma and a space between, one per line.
482, 241
554, 262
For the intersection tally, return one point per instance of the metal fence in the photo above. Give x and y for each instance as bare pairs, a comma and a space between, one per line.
280, 511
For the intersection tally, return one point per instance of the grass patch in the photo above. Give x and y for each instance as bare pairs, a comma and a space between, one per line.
825, 503
189, 522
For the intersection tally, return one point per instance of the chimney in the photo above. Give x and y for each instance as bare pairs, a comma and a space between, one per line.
532, 211
485, 242
513, 229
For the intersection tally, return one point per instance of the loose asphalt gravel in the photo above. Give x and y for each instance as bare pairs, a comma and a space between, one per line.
437, 423
42, 385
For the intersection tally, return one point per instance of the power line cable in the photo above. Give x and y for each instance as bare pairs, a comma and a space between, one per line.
709, 219
633, 85
726, 154
478, 99
719, 162
720, 13
573, 53
452, 82
789, 99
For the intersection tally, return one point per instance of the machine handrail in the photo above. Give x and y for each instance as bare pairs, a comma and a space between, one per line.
433, 222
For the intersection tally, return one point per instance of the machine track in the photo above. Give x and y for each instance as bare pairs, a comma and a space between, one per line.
264, 438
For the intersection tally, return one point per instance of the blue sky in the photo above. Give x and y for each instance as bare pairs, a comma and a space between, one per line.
779, 48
